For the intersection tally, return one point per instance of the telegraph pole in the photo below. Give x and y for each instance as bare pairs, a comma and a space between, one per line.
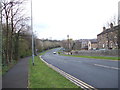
68, 43
32, 36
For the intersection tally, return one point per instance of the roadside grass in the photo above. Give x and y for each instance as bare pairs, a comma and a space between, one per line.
41, 76
95, 57
6, 68
0, 70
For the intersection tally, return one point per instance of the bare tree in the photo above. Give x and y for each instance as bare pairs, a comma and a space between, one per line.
13, 19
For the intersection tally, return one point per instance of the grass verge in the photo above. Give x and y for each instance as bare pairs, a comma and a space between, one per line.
95, 57
6, 68
41, 76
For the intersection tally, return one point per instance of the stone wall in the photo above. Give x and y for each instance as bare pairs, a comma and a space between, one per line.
96, 52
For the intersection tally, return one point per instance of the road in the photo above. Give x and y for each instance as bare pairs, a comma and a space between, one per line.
95, 72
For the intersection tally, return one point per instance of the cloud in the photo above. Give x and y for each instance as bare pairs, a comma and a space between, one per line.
79, 19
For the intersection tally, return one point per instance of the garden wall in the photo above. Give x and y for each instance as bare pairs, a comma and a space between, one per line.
96, 52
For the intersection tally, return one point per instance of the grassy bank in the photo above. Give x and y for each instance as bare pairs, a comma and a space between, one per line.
95, 57
41, 76
6, 68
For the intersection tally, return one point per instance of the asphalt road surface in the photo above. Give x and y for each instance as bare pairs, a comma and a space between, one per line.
95, 72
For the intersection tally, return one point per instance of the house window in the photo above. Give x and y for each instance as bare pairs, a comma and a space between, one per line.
103, 45
115, 37
111, 45
116, 43
106, 43
89, 45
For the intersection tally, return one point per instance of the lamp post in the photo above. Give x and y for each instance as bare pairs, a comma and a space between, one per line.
32, 36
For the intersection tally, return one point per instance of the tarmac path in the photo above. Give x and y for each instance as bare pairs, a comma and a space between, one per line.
17, 76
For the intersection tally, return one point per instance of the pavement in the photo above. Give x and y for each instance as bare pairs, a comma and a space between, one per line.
95, 72
17, 76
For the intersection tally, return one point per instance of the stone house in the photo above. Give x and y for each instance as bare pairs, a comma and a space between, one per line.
84, 44
92, 44
108, 38
88, 44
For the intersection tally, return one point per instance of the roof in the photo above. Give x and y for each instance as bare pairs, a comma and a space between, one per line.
109, 30
86, 40
93, 41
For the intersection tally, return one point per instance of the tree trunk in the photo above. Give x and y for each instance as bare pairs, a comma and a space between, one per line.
17, 47
7, 43
11, 37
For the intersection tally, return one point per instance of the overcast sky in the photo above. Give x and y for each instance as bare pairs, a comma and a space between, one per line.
81, 19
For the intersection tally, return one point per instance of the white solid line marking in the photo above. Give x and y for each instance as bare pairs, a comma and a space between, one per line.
107, 66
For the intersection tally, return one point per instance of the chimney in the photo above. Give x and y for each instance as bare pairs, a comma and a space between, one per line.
104, 29
111, 25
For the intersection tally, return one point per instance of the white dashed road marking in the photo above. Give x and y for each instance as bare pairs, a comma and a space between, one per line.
107, 66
